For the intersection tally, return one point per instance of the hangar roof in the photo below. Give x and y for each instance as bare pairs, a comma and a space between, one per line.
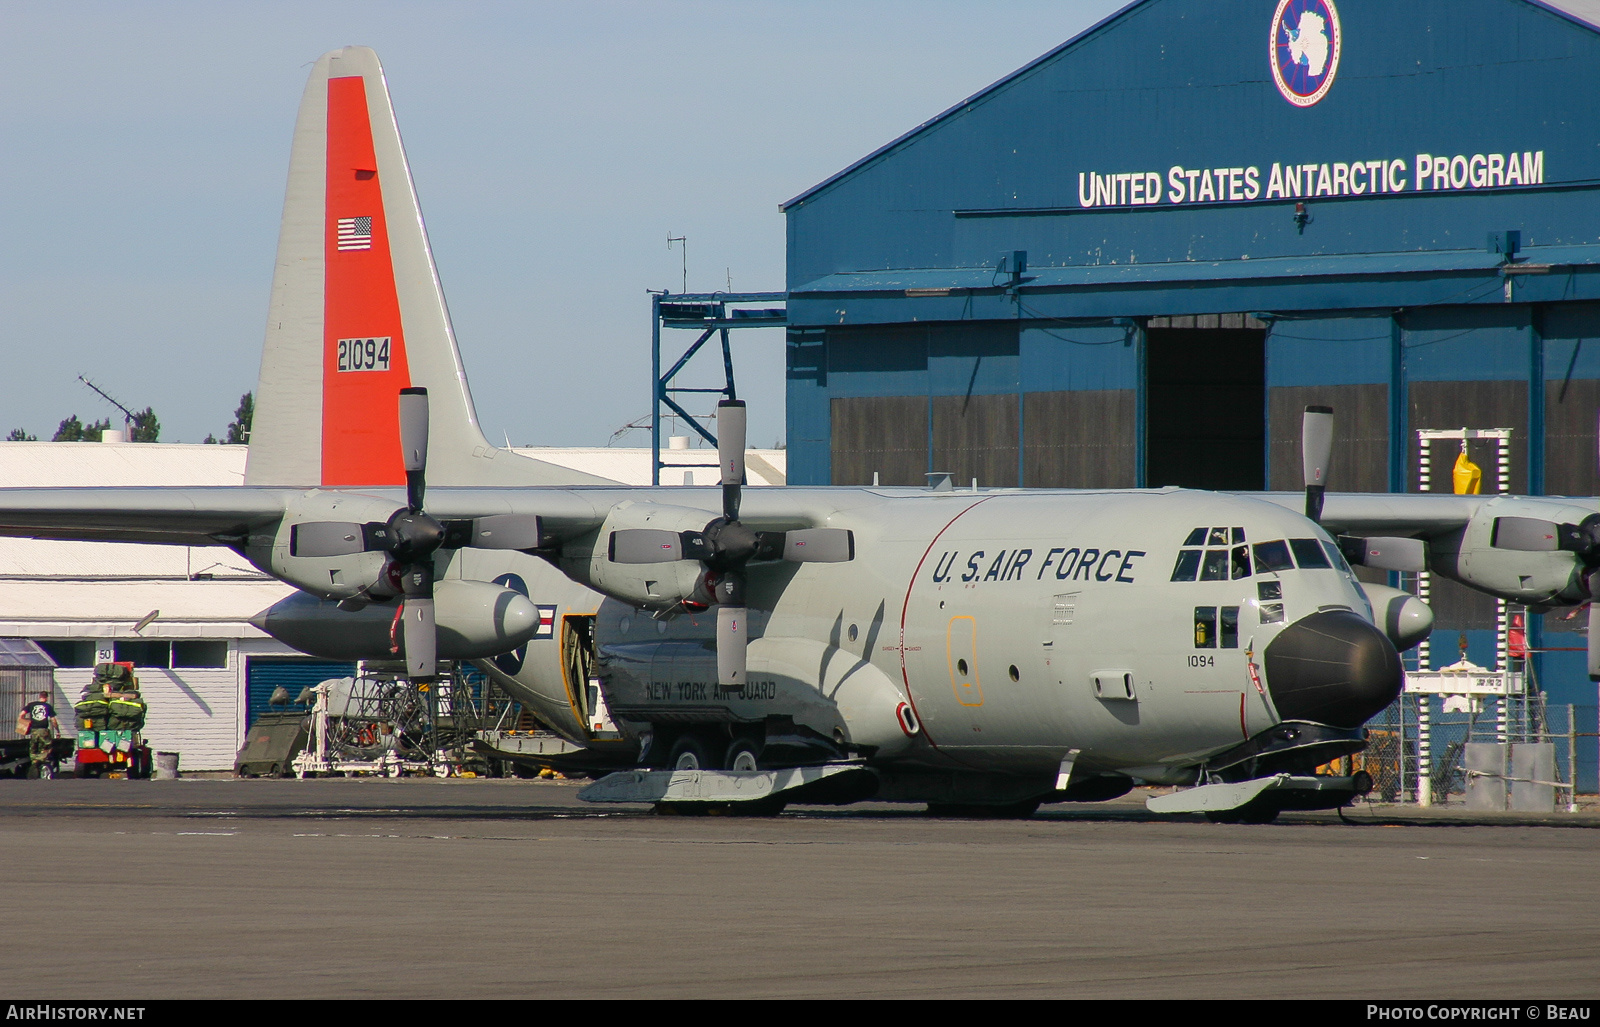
1584, 12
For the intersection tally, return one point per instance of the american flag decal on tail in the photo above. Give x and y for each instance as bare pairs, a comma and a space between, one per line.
355, 233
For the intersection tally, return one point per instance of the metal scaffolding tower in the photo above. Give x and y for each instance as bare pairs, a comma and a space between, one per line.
710, 314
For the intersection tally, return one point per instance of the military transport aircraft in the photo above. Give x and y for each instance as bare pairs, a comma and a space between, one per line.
973, 650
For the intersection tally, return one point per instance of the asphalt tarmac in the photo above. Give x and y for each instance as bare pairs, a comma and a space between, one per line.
479, 889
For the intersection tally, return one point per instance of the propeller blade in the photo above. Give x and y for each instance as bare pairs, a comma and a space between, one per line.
732, 640
645, 545
327, 538
1594, 627
1386, 554
730, 453
420, 639
1527, 534
414, 443
819, 545
419, 633
506, 531
1316, 449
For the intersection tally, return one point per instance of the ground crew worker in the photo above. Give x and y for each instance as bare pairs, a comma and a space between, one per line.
38, 719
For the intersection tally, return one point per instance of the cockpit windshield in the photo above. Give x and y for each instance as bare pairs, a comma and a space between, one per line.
1234, 561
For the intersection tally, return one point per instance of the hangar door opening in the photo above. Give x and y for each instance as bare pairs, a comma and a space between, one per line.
1205, 402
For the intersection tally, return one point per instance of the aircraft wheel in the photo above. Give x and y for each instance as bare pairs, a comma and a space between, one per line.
690, 752
743, 754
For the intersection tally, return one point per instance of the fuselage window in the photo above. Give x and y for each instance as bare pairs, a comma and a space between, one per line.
1205, 627
1215, 567
1268, 592
1241, 562
1273, 556
1230, 627
1187, 566
1308, 554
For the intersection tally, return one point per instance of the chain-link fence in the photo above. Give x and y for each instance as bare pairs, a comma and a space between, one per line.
1418, 748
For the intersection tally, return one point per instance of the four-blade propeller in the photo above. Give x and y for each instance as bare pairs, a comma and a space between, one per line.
725, 547
1533, 535
1316, 452
411, 536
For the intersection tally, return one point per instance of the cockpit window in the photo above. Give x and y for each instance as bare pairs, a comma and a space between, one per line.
1219, 537
1188, 564
1215, 567
1197, 537
1241, 562
1273, 556
1308, 554
1238, 535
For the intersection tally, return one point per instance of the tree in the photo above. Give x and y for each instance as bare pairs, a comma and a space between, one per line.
239, 428
145, 427
74, 430
209, 440
21, 435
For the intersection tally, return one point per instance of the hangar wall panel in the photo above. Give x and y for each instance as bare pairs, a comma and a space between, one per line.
1472, 404
975, 437
1079, 440
1571, 338
1360, 435
886, 435
1570, 437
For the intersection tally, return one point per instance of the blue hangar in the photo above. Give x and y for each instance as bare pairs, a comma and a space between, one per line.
1135, 261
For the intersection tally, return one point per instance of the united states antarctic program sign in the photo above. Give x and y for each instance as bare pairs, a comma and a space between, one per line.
1305, 47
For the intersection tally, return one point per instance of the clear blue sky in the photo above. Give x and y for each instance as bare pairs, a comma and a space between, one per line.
143, 149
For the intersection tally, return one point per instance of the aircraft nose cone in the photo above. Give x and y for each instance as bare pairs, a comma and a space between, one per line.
1332, 668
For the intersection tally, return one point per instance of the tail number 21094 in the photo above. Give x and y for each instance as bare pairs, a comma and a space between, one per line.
364, 354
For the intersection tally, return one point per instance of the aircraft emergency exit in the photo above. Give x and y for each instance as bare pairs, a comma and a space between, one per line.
973, 650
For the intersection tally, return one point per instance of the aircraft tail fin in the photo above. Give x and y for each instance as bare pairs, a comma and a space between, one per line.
357, 313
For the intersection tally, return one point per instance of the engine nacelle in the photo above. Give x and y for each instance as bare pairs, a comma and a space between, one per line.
655, 586
352, 576
476, 620
1406, 619
1517, 576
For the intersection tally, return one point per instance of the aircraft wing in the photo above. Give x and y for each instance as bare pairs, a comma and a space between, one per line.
202, 515
1413, 514
224, 514
192, 516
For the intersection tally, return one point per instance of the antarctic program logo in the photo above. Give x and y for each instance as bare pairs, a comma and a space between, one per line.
1305, 48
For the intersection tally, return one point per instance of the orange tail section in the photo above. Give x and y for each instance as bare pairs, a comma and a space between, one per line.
357, 313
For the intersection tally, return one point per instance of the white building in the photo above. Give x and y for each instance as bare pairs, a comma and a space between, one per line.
182, 614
